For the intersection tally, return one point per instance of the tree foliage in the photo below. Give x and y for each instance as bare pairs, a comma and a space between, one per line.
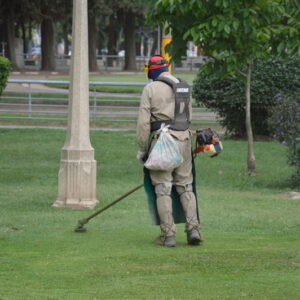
234, 34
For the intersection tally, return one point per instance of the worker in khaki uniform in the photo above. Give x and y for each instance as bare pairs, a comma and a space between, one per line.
157, 107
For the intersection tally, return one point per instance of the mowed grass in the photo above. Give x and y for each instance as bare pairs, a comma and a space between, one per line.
251, 228
140, 77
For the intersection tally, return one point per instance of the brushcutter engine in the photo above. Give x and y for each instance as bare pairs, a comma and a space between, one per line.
208, 142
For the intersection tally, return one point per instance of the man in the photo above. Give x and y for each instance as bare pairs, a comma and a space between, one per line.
157, 107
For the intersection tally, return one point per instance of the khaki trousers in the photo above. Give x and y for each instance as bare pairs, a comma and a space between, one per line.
182, 178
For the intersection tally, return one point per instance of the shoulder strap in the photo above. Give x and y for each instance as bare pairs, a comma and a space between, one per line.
166, 80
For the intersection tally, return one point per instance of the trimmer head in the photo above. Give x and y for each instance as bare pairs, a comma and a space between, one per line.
80, 226
80, 229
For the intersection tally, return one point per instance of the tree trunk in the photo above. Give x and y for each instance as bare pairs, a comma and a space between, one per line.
29, 37
146, 46
130, 47
48, 45
92, 43
139, 46
251, 157
30, 31
66, 39
24, 37
2, 33
9, 20
101, 40
112, 39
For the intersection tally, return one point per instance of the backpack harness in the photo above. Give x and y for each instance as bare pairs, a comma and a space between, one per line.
182, 99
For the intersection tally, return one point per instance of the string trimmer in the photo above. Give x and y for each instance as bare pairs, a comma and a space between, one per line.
82, 222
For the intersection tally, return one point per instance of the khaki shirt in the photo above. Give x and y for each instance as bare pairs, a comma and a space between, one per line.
157, 103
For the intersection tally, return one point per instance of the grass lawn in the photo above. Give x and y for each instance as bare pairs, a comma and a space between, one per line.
125, 77
251, 228
140, 77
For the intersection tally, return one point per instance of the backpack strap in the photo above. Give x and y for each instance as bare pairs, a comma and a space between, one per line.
167, 81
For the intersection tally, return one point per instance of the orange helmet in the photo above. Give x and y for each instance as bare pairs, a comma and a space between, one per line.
156, 62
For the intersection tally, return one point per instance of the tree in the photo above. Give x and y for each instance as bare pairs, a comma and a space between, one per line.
131, 11
64, 25
8, 18
112, 36
97, 10
23, 15
92, 34
48, 13
130, 40
234, 34
26, 16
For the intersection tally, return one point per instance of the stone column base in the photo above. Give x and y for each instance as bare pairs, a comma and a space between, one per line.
76, 184
75, 203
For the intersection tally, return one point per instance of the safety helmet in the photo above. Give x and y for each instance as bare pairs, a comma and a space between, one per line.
156, 62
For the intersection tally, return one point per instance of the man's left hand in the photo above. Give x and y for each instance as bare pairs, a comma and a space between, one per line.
140, 156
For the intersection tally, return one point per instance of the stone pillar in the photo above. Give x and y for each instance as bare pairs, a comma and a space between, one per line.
77, 174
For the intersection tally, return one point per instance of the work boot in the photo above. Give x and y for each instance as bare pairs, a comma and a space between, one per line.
194, 237
170, 241
167, 241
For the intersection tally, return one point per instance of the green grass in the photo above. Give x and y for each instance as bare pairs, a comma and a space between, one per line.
251, 229
34, 95
140, 77
125, 77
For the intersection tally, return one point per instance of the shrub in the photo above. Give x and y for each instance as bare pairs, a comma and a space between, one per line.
285, 125
5, 67
226, 96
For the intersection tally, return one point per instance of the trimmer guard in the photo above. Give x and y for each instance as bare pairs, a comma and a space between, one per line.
178, 212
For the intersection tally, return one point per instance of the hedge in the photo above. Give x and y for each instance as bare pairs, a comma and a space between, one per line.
226, 96
284, 123
5, 68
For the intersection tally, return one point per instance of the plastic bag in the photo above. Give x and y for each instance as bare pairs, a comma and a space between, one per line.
165, 154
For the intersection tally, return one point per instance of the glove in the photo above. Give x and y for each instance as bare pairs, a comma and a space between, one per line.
140, 156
